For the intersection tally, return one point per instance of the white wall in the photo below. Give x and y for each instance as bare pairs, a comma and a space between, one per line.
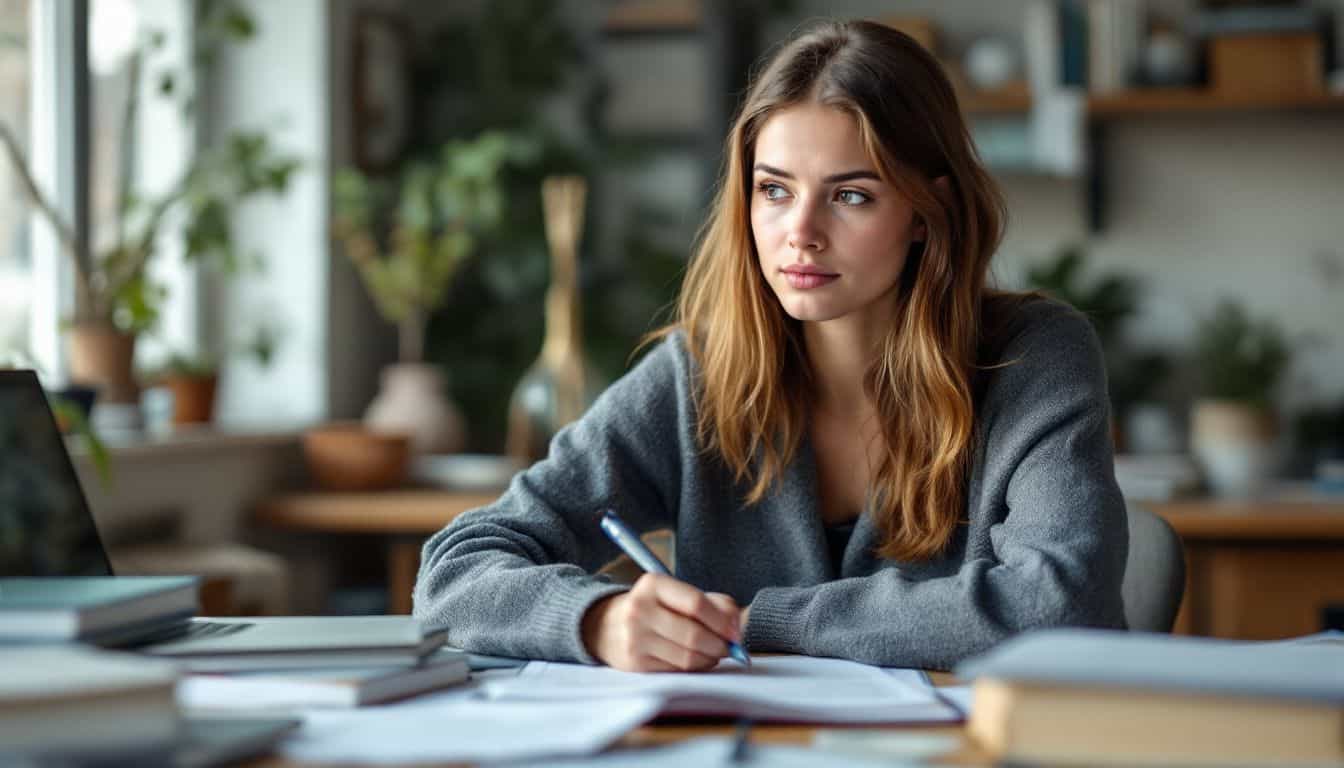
278, 81
1245, 206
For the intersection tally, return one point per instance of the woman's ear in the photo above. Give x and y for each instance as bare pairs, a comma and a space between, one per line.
942, 187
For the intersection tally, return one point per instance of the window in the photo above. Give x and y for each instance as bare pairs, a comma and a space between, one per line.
57, 86
114, 31
140, 144
15, 255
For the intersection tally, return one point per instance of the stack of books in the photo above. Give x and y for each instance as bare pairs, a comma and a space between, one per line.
296, 689
279, 663
1094, 697
68, 703
97, 610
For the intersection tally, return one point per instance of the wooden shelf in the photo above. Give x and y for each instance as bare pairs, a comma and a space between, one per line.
1012, 100
1196, 100
1151, 101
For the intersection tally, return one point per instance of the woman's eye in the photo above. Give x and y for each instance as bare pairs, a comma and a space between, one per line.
852, 197
771, 190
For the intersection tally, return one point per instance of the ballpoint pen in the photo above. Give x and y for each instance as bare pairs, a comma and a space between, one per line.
741, 741
630, 544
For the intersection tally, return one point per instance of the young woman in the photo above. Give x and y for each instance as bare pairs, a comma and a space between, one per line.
863, 452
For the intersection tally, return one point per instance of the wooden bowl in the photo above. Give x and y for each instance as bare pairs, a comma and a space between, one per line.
350, 457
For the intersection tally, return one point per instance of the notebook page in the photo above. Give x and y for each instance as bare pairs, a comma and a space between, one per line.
466, 731
714, 750
797, 688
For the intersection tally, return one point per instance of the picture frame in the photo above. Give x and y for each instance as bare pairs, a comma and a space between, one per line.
380, 89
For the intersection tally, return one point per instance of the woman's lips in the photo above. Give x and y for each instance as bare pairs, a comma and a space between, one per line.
807, 280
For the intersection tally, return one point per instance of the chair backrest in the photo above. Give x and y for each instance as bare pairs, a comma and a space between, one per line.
1154, 573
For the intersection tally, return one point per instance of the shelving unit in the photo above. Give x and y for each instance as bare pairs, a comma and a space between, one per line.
1104, 110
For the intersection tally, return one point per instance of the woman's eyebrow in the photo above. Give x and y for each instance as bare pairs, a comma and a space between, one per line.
832, 179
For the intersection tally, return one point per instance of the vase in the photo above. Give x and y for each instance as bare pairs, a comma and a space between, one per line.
1233, 443
193, 397
103, 357
560, 385
413, 400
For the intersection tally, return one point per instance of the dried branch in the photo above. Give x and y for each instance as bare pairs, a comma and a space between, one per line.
64, 232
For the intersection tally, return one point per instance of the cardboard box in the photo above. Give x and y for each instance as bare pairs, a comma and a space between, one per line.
1283, 65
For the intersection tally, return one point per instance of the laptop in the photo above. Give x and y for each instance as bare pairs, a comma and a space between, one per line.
47, 529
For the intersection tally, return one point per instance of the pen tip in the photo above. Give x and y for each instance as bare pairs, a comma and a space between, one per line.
740, 654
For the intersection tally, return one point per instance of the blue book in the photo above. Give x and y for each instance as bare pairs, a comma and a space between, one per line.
92, 608
1073, 44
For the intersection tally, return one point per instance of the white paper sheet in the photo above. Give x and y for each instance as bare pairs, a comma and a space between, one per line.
467, 730
794, 688
716, 751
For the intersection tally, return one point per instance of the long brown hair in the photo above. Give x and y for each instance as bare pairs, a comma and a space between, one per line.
755, 381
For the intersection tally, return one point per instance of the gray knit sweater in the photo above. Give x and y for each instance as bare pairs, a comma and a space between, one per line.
1043, 541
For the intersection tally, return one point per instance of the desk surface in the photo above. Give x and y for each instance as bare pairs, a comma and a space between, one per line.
421, 512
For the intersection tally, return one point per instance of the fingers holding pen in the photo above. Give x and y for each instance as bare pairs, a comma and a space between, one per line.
661, 625
716, 612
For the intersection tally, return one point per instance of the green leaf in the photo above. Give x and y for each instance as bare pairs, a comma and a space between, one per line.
238, 24
68, 413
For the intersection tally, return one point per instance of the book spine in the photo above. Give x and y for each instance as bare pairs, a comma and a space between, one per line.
1040, 33
1073, 45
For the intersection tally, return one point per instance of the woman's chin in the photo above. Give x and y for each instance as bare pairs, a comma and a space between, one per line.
810, 311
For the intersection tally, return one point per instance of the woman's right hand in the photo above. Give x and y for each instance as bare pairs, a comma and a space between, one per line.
661, 625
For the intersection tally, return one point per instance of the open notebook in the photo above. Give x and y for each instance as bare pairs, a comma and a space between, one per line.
787, 688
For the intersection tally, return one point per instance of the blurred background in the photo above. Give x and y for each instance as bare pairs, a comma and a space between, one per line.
298, 259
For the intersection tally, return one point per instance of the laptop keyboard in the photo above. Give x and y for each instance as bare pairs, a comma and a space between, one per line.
199, 629
192, 630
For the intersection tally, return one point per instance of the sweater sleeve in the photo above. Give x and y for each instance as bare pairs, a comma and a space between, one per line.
1055, 558
516, 577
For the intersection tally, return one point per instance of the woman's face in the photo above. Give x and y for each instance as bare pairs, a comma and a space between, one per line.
831, 236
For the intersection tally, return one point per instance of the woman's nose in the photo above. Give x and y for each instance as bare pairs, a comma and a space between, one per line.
806, 231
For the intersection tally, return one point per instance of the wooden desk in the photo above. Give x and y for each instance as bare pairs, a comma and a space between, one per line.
403, 518
1256, 570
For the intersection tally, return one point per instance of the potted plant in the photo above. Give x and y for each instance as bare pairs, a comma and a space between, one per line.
192, 380
408, 237
1233, 424
116, 298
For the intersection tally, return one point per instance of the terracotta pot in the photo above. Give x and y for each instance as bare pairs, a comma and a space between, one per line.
103, 357
1234, 445
350, 457
193, 397
413, 401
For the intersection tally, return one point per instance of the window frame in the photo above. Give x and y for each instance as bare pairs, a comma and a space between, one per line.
58, 154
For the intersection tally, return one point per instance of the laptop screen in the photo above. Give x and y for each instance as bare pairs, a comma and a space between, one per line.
46, 528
